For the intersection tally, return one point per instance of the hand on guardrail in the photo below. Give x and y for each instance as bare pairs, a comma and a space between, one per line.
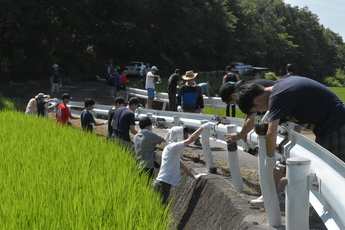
270, 162
207, 126
197, 177
179, 108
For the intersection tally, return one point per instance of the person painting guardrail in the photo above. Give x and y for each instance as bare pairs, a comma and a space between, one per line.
302, 101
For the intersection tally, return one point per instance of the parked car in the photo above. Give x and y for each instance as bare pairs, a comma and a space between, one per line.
240, 68
135, 68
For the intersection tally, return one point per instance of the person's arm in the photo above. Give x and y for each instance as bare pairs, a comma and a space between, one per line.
194, 136
132, 129
179, 96
208, 93
153, 75
186, 169
247, 126
98, 123
200, 99
271, 137
237, 77
74, 117
224, 79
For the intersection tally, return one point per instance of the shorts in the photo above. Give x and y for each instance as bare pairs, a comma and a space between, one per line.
150, 93
335, 143
55, 88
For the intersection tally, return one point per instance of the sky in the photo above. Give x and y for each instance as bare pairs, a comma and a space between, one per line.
331, 13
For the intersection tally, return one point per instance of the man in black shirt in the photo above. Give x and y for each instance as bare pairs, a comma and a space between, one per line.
174, 80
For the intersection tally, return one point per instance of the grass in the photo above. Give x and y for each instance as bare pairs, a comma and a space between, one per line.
57, 177
339, 91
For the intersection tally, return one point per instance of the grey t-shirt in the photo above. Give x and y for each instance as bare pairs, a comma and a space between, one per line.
144, 145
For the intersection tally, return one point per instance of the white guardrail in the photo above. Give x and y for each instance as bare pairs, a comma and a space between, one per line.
323, 180
213, 102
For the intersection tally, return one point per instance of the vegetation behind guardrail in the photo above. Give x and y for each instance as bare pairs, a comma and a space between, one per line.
57, 177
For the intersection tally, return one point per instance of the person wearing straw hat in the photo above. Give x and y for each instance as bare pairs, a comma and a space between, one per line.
189, 98
43, 106
31, 107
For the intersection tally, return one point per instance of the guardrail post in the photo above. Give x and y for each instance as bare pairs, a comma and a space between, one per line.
297, 193
150, 115
234, 164
266, 179
176, 120
164, 106
206, 148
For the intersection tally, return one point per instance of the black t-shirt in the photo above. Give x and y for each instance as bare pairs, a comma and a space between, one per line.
41, 106
305, 101
172, 83
56, 76
111, 113
262, 82
87, 120
231, 77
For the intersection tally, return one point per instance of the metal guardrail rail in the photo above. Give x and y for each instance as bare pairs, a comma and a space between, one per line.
213, 102
326, 174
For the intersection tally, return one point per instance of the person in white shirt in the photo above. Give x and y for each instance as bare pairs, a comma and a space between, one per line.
150, 85
169, 173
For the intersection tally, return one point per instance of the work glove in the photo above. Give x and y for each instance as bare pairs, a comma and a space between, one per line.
270, 162
106, 122
207, 126
202, 111
197, 177
179, 108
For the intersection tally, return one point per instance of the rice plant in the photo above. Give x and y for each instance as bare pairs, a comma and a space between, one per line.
57, 177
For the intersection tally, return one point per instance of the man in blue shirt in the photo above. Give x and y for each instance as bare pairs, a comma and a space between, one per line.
123, 122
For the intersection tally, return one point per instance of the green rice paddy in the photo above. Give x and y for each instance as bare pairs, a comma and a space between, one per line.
57, 177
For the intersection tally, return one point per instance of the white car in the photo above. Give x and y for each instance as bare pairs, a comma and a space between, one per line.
135, 68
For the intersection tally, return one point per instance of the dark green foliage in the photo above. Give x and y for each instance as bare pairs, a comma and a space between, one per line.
81, 36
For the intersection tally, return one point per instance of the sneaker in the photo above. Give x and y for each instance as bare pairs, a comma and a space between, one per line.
197, 143
260, 200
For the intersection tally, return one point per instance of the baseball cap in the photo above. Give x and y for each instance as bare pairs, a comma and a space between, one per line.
154, 68
55, 65
145, 121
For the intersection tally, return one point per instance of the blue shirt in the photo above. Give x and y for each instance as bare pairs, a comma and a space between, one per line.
87, 120
204, 87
